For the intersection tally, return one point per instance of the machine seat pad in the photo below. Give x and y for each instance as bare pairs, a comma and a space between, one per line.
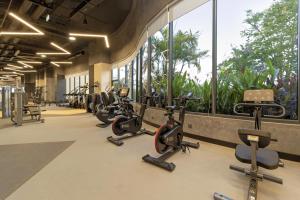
266, 158
171, 107
111, 107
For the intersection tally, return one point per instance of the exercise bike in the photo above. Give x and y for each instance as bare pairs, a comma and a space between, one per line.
131, 124
109, 108
169, 137
253, 150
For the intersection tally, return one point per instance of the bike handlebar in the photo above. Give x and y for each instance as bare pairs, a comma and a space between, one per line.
261, 105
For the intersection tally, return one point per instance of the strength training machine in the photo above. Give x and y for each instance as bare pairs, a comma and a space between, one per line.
254, 151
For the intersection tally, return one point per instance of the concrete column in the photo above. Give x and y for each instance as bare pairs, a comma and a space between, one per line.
102, 74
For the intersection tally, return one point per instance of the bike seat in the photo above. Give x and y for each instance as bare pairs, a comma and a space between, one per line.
265, 158
111, 107
170, 107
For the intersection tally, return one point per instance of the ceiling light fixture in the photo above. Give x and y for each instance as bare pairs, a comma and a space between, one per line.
37, 31
47, 17
72, 38
64, 52
24, 64
92, 35
56, 63
15, 66
18, 73
16, 70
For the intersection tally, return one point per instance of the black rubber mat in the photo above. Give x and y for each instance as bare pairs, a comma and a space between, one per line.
19, 162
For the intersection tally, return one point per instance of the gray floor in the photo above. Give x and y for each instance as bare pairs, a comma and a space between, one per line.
19, 162
93, 168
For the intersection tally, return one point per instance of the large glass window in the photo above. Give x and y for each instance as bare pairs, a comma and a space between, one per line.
72, 89
76, 82
257, 48
123, 76
145, 67
134, 73
159, 65
129, 68
192, 57
115, 77
67, 86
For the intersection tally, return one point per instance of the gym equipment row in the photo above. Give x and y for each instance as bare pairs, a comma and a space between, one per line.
109, 106
77, 97
169, 136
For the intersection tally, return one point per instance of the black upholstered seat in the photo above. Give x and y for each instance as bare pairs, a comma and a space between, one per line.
171, 107
266, 158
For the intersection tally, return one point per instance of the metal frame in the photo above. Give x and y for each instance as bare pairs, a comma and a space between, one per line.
131, 75
126, 75
298, 62
149, 80
118, 75
137, 78
170, 65
141, 76
214, 58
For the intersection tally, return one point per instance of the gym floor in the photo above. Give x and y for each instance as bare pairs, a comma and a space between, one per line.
68, 157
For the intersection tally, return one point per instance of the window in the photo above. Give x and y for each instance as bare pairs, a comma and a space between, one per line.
123, 76
67, 86
159, 65
129, 68
72, 84
87, 82
192, 57
115, 77
257, 48
76, 82
145, 67
134, 73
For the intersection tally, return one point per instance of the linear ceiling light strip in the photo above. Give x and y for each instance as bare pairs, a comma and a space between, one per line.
37, 31
64, 51
56, 63
91, 35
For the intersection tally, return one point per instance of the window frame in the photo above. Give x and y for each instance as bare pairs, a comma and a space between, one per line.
214, 41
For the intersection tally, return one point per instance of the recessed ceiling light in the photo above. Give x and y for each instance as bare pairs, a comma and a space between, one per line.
72, 38
37, 31
43, 56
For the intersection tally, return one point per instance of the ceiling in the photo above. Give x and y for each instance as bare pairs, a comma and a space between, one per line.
90, 16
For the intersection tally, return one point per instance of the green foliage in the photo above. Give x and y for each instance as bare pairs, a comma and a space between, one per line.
267, 59
182, 85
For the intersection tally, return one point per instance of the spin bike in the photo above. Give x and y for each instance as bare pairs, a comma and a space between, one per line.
169, 137
132, 124
109, 108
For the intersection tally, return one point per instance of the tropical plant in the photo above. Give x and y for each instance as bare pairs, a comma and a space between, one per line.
267, 59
